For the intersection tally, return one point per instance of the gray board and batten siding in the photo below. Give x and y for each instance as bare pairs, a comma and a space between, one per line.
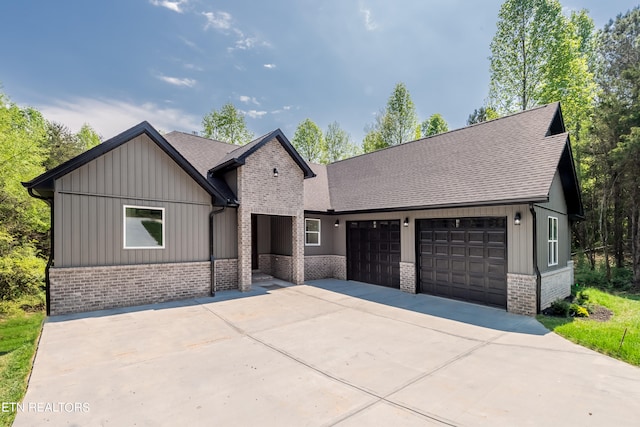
520, 237
89, 208
555, 207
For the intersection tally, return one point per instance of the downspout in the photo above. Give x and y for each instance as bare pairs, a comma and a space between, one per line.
212, 258
535, 257
47, 283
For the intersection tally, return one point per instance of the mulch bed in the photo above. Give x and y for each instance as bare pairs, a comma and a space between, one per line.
599, 313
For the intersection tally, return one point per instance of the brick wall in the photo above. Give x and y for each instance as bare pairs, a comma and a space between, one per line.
226, 274
555, 285
408, 277
75, 290
264, 263
259, 192
521, 294
325, 267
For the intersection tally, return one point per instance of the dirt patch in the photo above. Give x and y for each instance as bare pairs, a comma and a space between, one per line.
600, 313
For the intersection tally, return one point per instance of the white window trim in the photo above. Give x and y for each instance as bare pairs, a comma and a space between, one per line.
552, 244
124, 227
312, 232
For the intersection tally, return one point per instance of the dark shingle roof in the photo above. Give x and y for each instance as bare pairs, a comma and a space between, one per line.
506, 160
202, 153
316, 190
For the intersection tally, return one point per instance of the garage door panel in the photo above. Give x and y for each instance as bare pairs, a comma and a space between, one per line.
442, 264
458, 236
458, 251
476, 267
458, 265
496, 253
463, 258
373, 252
477, 252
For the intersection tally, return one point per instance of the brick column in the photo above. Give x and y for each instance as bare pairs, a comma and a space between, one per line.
244, 249
297, 249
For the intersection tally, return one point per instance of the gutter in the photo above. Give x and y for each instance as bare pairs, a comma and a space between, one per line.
47, 282
212, 258
535, 257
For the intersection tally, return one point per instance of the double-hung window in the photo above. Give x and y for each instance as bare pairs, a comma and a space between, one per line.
311, 232
553, 241
143, 227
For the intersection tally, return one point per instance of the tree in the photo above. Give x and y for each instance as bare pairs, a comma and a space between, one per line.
88, 137
394, 125
400, 119
24, 219
373, 142
308, 141
618, 114
482, 114
567, 78
525, 42
227, 125
434, 125
337, 144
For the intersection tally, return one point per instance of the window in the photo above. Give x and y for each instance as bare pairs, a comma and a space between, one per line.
143, 227
311, 232
553, 241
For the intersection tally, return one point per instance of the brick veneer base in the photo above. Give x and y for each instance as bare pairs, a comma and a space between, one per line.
521, 294
226, 274
408, 277
325, 267
75, 290
279, 266
555, 285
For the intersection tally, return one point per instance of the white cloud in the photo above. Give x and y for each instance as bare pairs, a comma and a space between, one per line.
286, 107
110, 117
176, 6
176, 81
255, 114
270, 66
248, 99
218, 20
369, 23
193, 67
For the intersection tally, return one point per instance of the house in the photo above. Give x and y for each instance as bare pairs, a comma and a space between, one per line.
481, 214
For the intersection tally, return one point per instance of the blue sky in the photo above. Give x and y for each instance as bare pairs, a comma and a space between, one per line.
115, 63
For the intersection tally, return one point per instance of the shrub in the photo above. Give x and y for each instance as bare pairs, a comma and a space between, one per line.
560, 307
576, 310
21, 273
582, 297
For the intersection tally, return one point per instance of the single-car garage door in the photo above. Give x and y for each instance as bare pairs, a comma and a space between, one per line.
464, 258
373, 252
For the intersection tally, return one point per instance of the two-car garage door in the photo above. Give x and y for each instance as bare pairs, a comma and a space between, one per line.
463, 258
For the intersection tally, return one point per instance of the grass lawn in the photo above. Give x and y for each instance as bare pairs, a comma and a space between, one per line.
18, 338
605, 337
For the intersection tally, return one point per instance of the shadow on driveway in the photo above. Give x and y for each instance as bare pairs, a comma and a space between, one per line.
459, 311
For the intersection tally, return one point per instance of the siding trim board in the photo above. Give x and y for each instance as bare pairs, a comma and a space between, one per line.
115, 196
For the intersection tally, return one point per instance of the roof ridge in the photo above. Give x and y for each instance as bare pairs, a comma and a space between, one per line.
538, 107
203, 137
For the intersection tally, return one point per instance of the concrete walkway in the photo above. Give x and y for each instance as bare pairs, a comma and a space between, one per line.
326, 353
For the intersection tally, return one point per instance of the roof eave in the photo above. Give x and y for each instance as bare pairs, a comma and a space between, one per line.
519, 201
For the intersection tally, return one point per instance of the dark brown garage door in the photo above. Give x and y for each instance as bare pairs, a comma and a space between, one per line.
373, 252
464, 258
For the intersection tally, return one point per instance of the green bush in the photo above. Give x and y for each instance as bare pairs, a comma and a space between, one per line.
560, 307
582, 297
21, 273
576, 310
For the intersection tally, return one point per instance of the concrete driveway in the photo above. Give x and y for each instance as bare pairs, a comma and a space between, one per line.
327, 353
